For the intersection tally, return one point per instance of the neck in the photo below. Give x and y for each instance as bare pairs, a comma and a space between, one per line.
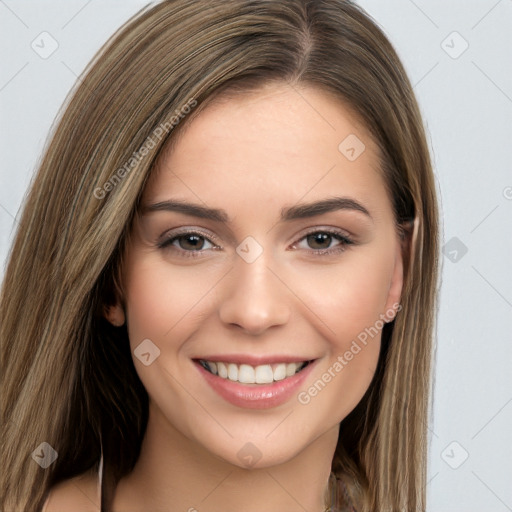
175, 474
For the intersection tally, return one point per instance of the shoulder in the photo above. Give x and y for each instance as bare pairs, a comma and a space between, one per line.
80, 494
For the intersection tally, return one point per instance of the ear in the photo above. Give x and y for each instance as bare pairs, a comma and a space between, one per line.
404, 251
114, 314
395, 287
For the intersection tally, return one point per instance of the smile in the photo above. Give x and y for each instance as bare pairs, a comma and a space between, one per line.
247, 374
261, 385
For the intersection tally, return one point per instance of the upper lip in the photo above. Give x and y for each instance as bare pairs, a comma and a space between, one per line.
253, 360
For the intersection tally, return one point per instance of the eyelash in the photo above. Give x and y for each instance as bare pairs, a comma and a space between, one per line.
345, 241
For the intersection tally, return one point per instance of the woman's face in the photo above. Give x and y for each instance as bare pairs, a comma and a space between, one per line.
267, 242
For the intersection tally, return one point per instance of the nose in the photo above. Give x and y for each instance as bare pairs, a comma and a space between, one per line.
255, 298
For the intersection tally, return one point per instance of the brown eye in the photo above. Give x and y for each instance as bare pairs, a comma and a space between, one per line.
319, 240
190, 242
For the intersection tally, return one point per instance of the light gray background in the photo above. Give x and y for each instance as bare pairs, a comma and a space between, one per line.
466, 100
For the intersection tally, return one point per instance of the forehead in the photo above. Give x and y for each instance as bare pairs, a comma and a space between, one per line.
271, 146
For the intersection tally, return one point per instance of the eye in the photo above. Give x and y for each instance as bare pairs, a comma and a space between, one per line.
324, 242
195, 243
188, 243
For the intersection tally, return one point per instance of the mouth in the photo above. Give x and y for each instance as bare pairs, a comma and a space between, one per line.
248, 374
255, 386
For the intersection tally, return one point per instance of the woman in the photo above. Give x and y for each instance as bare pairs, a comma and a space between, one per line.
222, 290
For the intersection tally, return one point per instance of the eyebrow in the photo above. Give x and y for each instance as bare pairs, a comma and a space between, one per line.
299, 211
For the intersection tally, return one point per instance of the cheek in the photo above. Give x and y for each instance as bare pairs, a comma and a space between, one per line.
349, 297
163, 301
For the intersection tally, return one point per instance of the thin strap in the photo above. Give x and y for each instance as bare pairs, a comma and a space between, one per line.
100, 479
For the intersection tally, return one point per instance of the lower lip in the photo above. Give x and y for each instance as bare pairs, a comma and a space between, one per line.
256, 396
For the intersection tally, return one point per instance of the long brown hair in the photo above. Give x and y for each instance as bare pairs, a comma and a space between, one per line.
67, 375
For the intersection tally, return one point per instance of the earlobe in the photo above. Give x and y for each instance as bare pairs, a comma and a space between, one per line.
114, 314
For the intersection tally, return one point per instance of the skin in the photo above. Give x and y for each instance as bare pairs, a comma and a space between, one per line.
252, 155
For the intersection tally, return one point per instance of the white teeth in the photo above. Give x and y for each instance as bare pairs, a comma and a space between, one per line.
232, 371
291, 368
280, 372
222, 370
247, 374
264, 374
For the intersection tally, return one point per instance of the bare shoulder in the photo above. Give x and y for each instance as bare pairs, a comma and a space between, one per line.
80, 494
